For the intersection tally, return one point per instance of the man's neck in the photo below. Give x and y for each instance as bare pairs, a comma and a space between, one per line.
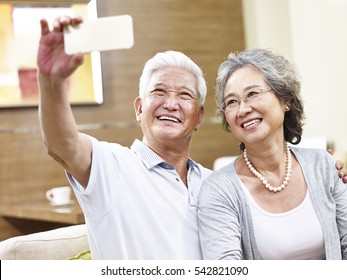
174, 154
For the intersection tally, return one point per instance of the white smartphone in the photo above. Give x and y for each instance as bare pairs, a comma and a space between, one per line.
101, 34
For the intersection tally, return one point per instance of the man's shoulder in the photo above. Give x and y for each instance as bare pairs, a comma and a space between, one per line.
106, 145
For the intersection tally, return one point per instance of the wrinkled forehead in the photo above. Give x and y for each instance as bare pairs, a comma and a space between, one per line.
174, 79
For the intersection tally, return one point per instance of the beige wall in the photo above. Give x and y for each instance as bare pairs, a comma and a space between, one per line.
312, 34
267, 25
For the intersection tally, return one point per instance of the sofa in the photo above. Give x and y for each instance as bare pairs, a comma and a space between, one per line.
69, 242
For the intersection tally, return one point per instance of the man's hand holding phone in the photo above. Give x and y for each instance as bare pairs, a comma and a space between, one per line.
102, 34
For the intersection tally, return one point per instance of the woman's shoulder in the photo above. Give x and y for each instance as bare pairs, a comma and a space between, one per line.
226, 171
311, 154
221, 180
313, 159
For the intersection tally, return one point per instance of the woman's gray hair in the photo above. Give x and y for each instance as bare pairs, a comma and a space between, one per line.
281, 76
176, 59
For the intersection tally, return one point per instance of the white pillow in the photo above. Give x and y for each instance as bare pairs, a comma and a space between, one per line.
57, 244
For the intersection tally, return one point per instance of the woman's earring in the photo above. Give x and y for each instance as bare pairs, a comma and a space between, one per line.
287, 108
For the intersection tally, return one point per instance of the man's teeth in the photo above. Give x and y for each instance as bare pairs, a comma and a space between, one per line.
168, 118
252, 122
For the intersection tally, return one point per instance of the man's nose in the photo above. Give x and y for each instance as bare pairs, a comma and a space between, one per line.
171, 101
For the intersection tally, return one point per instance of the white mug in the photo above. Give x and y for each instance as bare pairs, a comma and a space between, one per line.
59, 195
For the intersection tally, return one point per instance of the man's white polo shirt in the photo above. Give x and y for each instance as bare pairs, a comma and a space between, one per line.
137, 207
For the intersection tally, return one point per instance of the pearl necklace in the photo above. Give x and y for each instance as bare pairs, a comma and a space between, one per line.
261, 177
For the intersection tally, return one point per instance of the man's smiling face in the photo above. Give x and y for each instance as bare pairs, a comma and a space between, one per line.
170, 109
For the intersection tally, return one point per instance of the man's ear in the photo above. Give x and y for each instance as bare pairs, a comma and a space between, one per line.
138, 108
201, 114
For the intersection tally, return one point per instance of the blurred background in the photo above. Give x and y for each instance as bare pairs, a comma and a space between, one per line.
310, 33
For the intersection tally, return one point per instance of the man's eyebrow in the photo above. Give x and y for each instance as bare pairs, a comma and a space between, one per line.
160, 84
187, 88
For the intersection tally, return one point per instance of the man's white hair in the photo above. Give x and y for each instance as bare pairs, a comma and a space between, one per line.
172, 59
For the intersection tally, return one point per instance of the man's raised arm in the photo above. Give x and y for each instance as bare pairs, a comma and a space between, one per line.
61, 137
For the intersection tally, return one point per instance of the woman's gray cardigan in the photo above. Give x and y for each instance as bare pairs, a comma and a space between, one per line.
225, 222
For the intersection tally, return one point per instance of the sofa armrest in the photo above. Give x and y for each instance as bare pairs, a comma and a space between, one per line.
57, 244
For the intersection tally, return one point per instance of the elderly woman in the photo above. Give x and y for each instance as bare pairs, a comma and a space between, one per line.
275, 201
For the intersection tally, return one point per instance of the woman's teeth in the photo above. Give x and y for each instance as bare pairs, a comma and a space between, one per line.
252, 122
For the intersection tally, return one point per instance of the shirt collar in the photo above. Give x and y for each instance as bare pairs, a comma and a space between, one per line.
152, 159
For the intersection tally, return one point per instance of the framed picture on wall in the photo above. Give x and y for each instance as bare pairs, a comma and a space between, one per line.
19, 37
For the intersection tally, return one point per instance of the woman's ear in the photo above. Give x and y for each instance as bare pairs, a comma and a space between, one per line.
138, 108
287, 105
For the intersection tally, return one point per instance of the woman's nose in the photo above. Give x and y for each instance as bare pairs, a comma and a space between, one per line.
244, 109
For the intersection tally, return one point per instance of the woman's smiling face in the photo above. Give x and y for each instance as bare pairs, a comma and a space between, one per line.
252, 122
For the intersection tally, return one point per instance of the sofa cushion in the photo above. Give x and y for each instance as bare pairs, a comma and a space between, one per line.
57, 244
85, 256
